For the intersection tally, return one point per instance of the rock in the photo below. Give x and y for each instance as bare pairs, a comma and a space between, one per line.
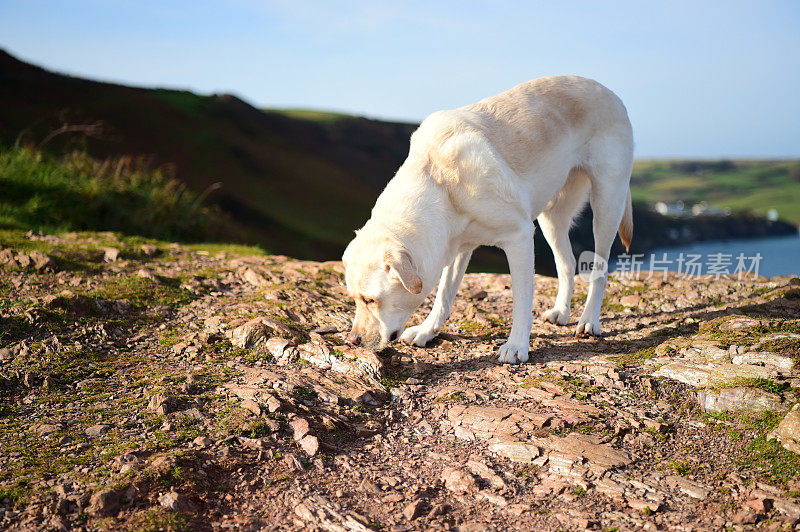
759, 505
413, 510
40, 260
175, 501
643, 505
163, 404
273, 404
493, 498
251, 333
7, 257
458, 480
252, 406
300, 428
515, 451
788, 508
95, 431
46, 429
692, 489
148, 250
104, 503
735, 399
478, 295
763, 358
203, 442
486, 473
726, 373
6, 354
310, 444
110, 254
255, 279
146, 274
745, 516
690, 374
631, 300
788, 430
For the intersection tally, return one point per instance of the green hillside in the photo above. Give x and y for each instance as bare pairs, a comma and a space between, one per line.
739, 185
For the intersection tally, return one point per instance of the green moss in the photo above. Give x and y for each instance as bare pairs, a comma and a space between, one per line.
761, 383
634, 358
304, 392
452, 398
392, 380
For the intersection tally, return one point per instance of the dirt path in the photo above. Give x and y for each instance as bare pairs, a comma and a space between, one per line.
171, 387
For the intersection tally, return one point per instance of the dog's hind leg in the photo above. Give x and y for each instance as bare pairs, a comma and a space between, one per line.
452, 274
555, 223
608, 198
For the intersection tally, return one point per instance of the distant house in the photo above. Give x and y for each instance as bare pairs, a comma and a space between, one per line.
670, 209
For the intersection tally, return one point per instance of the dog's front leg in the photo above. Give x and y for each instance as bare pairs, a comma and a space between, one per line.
448, 287
519, 252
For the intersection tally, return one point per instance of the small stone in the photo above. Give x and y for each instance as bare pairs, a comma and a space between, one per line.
515, 451
251, 333
458, 481
203, 442
40, 260
493, 498
110, 254
413, 510
273, 404
46, 429
478, 295
745, 516
310, 444
759, 505
631, 300
300, 427
146, 274
163, 404
393, 497
177, 502
95, 431
644, 506
104, 503
252, 406
148, 250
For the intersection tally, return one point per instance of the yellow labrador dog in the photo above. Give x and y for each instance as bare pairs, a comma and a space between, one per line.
480, 175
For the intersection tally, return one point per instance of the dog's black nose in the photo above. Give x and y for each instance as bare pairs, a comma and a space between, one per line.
393, 336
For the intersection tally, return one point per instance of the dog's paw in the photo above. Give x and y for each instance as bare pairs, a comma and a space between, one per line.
511, 353
418, 335
556, 315
588, 328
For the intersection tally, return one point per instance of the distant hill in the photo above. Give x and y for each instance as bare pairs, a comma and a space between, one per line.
755, 186
296, 182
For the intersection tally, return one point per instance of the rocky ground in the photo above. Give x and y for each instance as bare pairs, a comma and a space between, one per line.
159, 386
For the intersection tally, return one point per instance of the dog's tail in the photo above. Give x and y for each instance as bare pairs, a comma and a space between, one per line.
626, 225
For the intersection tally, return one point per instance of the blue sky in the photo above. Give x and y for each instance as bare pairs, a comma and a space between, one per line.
700, 78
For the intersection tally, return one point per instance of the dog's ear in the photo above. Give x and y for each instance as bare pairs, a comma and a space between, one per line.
399, 264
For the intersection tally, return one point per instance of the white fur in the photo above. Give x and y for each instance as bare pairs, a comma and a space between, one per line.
480, 175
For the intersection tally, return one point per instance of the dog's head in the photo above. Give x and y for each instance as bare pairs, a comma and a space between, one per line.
384, 281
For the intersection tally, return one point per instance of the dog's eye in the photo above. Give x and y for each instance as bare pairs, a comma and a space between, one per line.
367, 300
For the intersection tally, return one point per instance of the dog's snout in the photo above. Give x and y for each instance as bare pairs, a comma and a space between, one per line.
354, 338
393, 337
